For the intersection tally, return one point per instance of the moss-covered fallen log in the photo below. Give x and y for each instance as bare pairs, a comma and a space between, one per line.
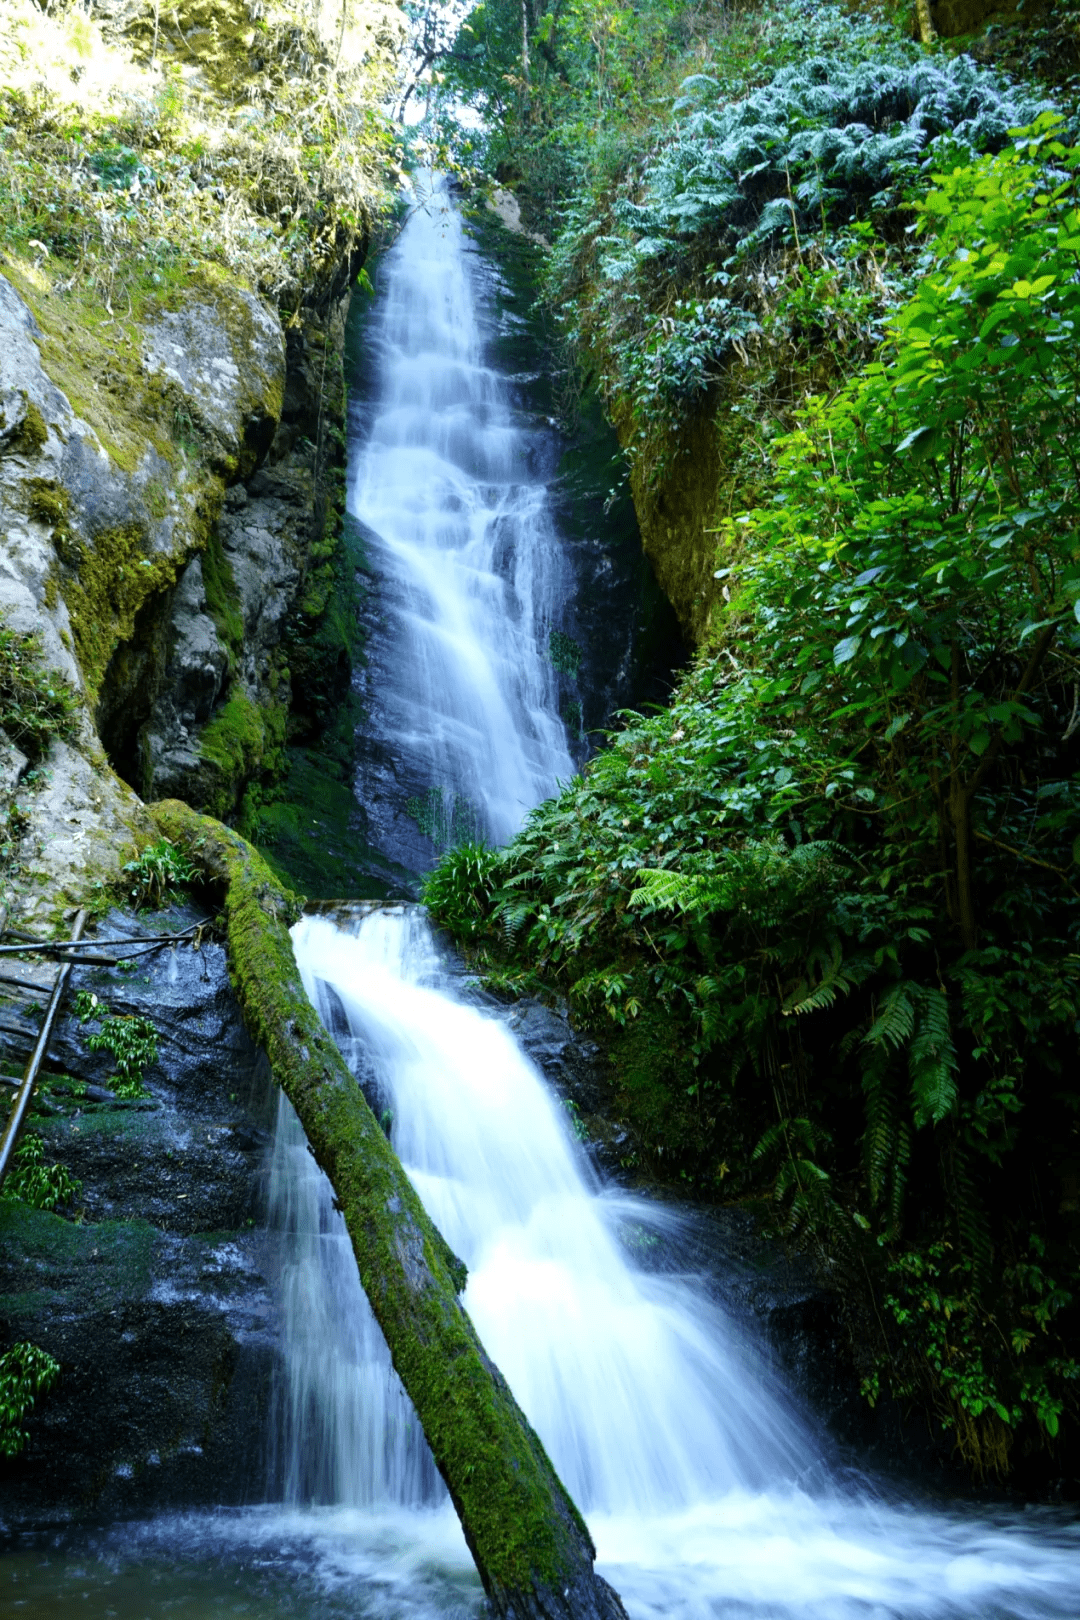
531, 1545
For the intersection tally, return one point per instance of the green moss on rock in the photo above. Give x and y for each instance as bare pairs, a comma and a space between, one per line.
109, 1259
113, 580
222, 596
242, 739
31, 435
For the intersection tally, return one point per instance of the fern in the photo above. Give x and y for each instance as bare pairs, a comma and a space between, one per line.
972, 1220
880, 1137
512, 912
837, 978
802, 1188
662, 890
932, 1060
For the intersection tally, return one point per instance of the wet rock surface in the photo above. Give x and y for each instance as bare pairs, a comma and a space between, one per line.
150, 1287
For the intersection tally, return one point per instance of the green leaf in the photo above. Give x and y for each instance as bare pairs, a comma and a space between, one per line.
919, 439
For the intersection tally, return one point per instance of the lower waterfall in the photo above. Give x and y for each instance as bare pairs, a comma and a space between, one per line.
707, 1493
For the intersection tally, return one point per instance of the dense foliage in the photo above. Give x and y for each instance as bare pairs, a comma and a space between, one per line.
827, 903
32, 1181
36, 705
676, 271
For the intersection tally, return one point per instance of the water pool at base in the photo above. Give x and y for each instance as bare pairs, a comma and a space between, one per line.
767, 1557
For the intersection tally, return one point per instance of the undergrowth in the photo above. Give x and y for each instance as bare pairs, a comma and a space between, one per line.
130, 1037
30, 1180
138, 152
36, 706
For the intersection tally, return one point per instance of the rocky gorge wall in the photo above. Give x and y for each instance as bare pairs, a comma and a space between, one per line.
182, 228
174, 592
151, 1288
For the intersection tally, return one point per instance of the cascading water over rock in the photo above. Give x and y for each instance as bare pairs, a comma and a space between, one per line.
706, 1492
462, 734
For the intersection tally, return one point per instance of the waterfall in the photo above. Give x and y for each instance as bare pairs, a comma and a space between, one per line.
707, 1492
462, 730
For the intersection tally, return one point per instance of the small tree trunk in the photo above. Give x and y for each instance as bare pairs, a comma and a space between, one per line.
927, 31
531, 1545
960, 816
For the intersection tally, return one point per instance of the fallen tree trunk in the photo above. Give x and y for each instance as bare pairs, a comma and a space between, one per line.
531, 1545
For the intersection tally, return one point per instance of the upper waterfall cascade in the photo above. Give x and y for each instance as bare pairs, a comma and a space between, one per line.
708, 1493
470, 571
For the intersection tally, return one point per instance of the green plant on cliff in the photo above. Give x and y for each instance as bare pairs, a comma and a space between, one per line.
31, 1181
157, 875
130, 1037
26, 1372
36, 704
827, 904
702, 255
134, 154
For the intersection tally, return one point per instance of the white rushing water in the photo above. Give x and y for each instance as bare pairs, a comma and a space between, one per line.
706, 1491
470, 571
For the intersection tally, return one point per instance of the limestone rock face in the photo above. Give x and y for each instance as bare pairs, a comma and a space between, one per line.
218, 709
100, 560
12, 764
226, 357
36, 423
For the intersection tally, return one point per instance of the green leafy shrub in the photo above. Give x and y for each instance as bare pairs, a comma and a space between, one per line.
130, 1038
31, 1181
26, 1372
36, 704
700, 256
458, 890
840, 870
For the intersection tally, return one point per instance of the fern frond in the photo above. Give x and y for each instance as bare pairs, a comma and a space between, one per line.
665, 890
880, 1134
972, 1221
901, 1158
895, 1021
837, 978
932, 1061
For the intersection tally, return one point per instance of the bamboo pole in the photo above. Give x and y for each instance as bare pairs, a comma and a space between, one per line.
21, 1105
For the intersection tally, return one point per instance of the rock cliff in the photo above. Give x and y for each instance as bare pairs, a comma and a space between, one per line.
171, 474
